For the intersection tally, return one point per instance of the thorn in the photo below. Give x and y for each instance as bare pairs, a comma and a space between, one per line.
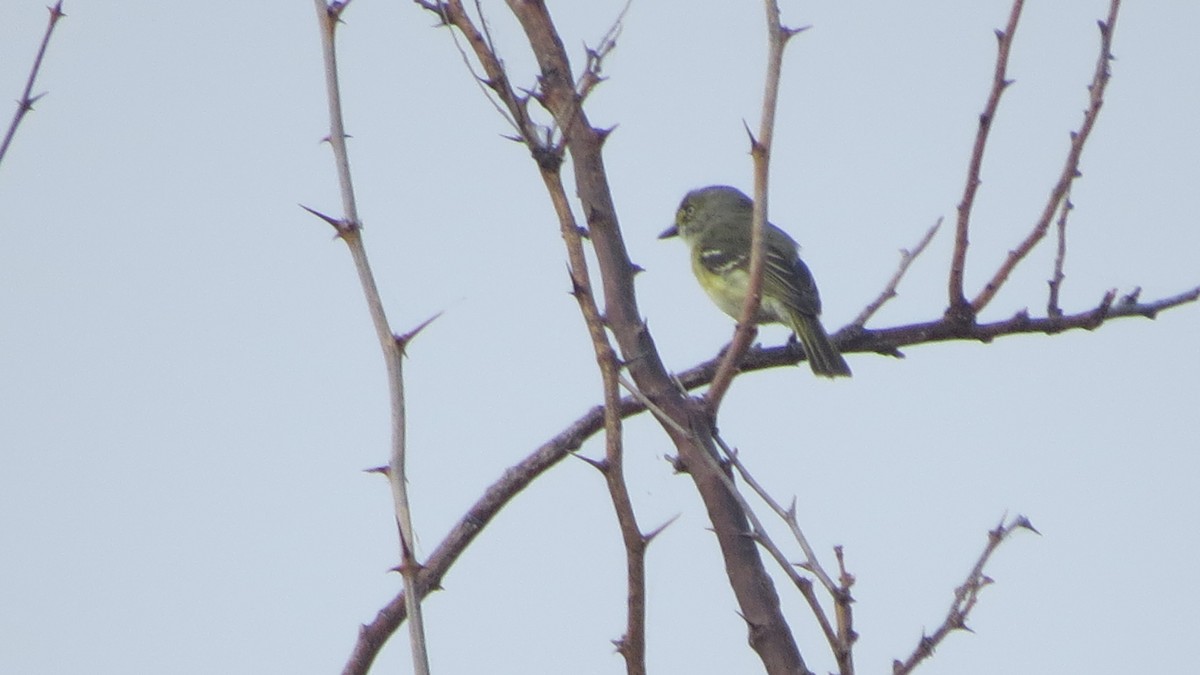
56, 12
583, 232
1132, 297
750, 134
649, 536
603, 134
343, 228
382, 470
27, 104
597, 464
1023, 522
636, 268
403, 340
1007, 83
999, 35
791, 510
677, 463
1103, 26
789, 33
927, 643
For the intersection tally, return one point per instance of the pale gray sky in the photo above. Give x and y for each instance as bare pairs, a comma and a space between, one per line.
190, 385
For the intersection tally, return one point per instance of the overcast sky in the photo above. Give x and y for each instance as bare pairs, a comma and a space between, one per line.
190, 385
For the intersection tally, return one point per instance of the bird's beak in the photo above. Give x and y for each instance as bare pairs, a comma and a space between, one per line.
671, 231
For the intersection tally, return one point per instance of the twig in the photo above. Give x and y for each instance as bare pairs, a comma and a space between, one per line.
965, 597
760, 150
453, 15
889, 291
631, 645
595, 56
1070, 170
841, 639
1060, 256
25, 103
349, 229
958, 307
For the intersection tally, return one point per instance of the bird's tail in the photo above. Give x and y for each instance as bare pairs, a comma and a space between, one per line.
823, 357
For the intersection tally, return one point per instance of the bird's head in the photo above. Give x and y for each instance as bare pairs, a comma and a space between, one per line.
708, 207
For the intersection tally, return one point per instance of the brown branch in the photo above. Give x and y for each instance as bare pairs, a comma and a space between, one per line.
965, 597
889, 291
632, 645
760, 150
958, 307
811, 563
1070, 170
752, 585
452, 14
25, 103
517, 477
1060, 257
688, 425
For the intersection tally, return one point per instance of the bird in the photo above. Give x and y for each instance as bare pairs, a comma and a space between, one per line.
715, 223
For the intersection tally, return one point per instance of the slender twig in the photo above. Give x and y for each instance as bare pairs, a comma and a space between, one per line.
760, 151
595, 56
1060, 257
889, 291
1070, 170
763, 538
958, 307
839, 639
25, 103
349, 229
511, 106
632, 645
965, 597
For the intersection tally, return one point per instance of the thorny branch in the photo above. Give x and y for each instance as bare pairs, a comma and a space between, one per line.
958, 307
965, 597
25, 103
1070, 170
349, 230
760, 150
852, 338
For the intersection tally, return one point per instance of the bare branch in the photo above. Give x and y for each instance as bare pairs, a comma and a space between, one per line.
632, 645
350, 231
889, 291
958, 302
1060, 257
595, 56
760, 150
752, 585
517, 477
25, 103
840, 647
1070, 170
965, 597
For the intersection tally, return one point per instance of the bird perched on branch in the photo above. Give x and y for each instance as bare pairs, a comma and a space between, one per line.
715, 223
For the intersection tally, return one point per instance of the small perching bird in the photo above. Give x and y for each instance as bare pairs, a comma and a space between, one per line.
715, 222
